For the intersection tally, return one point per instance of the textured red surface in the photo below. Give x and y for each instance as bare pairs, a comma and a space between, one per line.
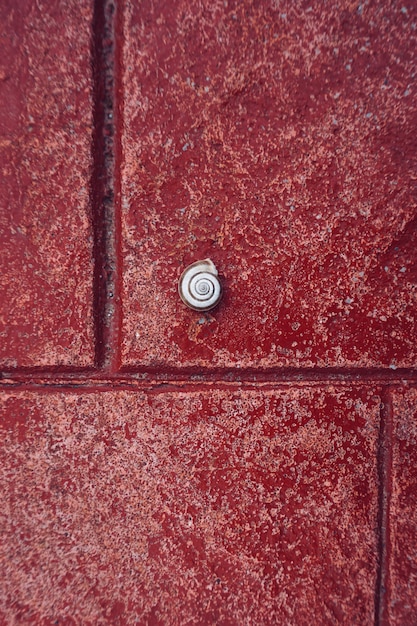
402, 589
228, 507
278, 139
45, 156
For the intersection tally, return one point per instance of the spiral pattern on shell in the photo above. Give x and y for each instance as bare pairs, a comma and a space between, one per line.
199, 286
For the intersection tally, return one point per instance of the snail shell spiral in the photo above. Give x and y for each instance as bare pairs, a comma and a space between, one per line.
199, 286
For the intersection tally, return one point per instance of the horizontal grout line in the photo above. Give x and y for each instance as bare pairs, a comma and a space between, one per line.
185, 388
192, 379
228, 373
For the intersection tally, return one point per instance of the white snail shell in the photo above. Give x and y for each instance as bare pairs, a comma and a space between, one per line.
199, 286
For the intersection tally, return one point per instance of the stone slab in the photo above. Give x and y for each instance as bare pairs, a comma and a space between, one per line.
45, 168
402, 580
213, 507
278, 140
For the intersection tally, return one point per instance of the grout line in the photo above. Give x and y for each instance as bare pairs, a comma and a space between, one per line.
190, 384
105, 189
118, 38
382, 591
192, 375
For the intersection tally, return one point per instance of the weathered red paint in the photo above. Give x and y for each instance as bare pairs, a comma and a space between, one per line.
279, 140
402, 581
45, 152
276, 484
243, 507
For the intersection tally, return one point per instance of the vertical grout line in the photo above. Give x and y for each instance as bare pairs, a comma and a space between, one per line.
385, 443
118, 155
105, 190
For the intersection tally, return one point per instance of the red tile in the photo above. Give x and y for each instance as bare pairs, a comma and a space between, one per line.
45, 157
227, 507
277, 139
402, 592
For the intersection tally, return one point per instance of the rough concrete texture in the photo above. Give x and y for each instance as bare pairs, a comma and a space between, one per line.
402, 582
277, 138
45, 157
229, 507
